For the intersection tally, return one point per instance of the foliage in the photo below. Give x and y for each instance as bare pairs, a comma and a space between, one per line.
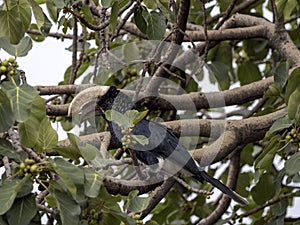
46, 180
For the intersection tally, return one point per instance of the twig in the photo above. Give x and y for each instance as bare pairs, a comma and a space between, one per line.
205, 30
87, 24
231, 183
124, 20
5, 161
270, 202
157, 195
227, 14
190, 188
74, 52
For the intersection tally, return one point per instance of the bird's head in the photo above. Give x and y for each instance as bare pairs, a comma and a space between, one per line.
94, 100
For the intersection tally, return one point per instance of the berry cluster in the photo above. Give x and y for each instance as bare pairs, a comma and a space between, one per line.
92, 216
293, 136
8, 67
29, 167
127, 139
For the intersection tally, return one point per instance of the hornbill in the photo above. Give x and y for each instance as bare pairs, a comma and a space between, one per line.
162, 146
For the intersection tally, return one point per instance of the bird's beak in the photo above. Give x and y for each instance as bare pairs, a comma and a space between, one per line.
85, 102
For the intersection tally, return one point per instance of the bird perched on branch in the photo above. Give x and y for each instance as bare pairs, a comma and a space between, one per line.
158, 143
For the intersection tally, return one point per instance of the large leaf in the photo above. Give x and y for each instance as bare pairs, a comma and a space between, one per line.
293, 84
22, 97
292, 165
69, 210
156, 26
72, 176
280, 124
42, 21
21, 49
294, 104
6, 149
93, 182
265, 159
286, 7
71, 152
22, 211
52, 10
11, 26
130, 51
48, 137
29, 130
6, 114
8, 193
136, 203
248, 72
221, 72
264, 183
139, 19
24, 13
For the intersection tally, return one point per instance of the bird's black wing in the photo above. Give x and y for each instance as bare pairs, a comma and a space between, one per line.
163, 143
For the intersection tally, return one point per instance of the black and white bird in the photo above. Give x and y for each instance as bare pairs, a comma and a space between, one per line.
162, 145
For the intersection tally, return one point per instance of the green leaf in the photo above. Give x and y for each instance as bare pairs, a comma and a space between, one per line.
59, 3
243, 183
8, 193
6, 149
143, 140
265, 183
38, 13
274, 90
256, 49
52, 10
92, 182
22, 97
48, 138
69, 210
71, 152
116, 117
29, 130
280, 124
294, 104
114, 16
36, 37
136, 203
130, 52
18, 50
248, 72
6, 114
292, 165
134, 116
221, 72
72, 176
106, 3
24, 12
22, 211
293, 84
156, 26
139, 18
11, 26
265, 159
281, 73
280, 208
286, 7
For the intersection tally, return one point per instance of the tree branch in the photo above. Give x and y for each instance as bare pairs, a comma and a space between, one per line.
223, 205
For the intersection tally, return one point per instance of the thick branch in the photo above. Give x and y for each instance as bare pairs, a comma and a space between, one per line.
199, 100
124, 187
